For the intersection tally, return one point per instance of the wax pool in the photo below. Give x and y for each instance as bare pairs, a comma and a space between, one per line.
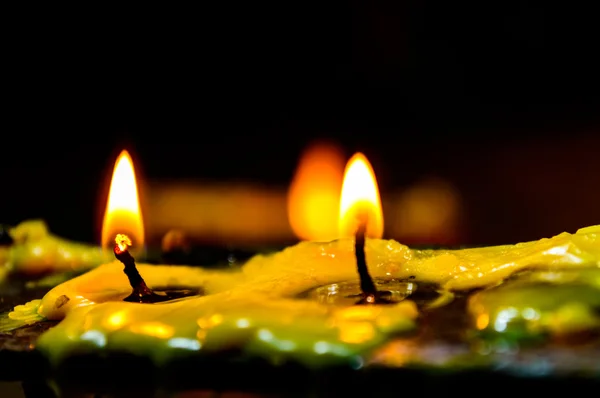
256, 309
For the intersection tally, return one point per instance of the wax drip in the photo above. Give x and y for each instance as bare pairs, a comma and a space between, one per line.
370, 295
141, 292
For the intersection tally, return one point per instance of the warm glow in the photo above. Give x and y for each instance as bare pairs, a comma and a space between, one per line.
483, 321
360, 199
356, 332
117, 319
429, 211
154, 329
123, 242
123, 214
314, 195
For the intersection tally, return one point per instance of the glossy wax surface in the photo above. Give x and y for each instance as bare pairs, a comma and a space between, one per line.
255, 309
35, 251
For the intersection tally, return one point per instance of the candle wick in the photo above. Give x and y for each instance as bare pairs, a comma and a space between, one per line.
367, 286
370, 294
141, 292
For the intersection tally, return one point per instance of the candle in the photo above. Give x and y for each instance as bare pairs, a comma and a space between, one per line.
312, 203
30, 251
123, 215
262, 309
255, 309
252, 300
360, 211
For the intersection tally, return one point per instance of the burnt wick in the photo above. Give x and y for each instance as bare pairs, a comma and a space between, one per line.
370, 295
141, 292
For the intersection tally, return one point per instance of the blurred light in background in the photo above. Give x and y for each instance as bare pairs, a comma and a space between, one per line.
428, 212
314, 194
213, 213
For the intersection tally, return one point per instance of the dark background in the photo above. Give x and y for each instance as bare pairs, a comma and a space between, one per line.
499, 98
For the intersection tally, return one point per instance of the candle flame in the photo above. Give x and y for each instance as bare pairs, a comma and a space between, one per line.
314, 194
122, 242
360, 201
123, 213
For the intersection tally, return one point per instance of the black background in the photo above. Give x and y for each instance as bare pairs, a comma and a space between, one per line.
500, 98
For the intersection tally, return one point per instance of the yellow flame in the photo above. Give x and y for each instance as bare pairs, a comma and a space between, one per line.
123, 214
360, 199
123, 242
314, 194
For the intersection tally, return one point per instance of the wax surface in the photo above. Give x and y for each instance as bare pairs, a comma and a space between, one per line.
36, 252
539, 303
255, 310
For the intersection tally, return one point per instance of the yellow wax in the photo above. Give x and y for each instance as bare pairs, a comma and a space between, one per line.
255, 309
35, 252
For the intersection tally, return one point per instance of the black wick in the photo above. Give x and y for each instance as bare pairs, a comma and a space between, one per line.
141, 292
370, 295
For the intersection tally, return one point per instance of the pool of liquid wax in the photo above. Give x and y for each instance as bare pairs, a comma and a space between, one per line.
165, 294
388, 290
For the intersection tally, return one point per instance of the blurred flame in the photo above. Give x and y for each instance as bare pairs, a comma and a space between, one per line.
360, 198
427, 212
314, 194
123, 214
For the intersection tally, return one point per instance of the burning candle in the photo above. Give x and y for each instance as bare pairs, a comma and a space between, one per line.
123, 220
123, 232
360, 216
123, 215
29, 249
261, 309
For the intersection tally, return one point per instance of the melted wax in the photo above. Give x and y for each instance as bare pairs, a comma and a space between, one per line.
256, 309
